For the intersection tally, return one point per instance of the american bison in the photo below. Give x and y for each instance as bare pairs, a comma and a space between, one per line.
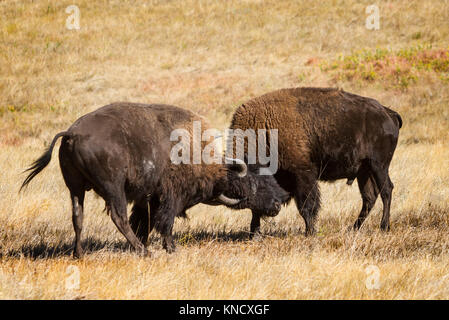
122, 152
326, 134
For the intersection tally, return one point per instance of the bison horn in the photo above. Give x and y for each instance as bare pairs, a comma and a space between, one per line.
228, 201
241, 164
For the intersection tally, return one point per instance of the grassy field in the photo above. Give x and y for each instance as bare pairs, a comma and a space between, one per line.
209, 56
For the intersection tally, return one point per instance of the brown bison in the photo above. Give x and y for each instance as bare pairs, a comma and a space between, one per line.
123, 152
326, 134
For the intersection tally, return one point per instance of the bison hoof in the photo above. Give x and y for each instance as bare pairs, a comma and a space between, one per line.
256, 236
169, 246
170, 249
146, 253
309, 232
77, 254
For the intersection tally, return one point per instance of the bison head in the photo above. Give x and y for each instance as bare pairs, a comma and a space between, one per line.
249, 190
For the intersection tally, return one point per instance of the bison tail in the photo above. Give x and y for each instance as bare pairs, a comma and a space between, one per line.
38, 165
395, 115
399, 120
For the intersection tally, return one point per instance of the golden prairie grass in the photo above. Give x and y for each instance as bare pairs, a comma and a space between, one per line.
209, 56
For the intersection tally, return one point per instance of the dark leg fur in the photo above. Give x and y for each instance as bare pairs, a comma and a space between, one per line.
162, 218
386, 188
76, 185
307, 197
139, 221
369, 192
255, 225
116, 201
77, 219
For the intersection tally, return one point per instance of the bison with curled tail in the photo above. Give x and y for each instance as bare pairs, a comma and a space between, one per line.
122, 152
326, 134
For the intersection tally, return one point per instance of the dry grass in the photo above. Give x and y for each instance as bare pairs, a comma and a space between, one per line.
209, 56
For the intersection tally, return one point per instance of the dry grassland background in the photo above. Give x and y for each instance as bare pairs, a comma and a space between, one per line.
209, 56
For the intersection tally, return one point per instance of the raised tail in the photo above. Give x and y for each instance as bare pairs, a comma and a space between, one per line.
38, 165
395, 115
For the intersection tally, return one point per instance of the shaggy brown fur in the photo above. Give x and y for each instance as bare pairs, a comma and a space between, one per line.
326, 134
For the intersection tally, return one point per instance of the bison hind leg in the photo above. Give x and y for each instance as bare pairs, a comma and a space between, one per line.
76, 184
77, 197
116, 199
385, 187
369, 192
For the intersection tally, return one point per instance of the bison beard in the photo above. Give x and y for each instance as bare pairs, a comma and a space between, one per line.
326, 134
122, 152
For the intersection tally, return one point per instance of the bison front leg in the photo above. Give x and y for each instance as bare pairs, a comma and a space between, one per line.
116, 202
255, 225
163, 218
140, 221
